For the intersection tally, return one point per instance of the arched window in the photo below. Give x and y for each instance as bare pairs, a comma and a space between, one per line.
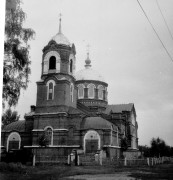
100, 92
91, 91
71, 92
71, 66
52, 62
91, 141
49, 135
50, 92
13, 141
80, 91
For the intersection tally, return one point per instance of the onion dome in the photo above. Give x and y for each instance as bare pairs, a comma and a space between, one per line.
59, 38
88, 73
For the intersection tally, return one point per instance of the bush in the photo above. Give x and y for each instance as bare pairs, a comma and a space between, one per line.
12, 167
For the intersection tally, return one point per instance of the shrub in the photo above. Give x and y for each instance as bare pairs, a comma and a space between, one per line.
12, 167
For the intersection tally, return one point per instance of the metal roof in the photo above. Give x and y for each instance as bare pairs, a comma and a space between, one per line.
15, 126
95, 123
119, 108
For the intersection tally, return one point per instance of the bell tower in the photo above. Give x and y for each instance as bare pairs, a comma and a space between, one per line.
57, 85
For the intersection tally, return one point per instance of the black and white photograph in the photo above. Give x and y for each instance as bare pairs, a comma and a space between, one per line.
87, 89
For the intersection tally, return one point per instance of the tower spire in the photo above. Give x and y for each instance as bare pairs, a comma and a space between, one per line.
88, 61
60, 23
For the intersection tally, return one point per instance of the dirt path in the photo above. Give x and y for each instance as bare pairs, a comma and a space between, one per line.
117, 176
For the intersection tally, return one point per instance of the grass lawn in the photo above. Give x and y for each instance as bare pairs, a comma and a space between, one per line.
57, 172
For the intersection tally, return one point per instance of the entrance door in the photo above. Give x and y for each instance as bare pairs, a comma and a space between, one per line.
91, 145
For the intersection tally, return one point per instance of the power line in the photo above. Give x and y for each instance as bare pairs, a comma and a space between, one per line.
155, 31
164, 19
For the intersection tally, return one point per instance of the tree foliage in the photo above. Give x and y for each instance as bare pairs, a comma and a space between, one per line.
16, 67
43, 140
9, 116
145, 151
158, 148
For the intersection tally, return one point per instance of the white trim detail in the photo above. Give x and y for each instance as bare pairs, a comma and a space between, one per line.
60, 130
71, 91
35, 146
47, 84
51, 113
12, 134
96, 136
112, 146
81, 87
49, 127
91, 87
100, 92
37, 130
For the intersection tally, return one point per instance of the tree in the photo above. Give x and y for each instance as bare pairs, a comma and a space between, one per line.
43, 139
158, 147
16, 68
145, 150
9, 116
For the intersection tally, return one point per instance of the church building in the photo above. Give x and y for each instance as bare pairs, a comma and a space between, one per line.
72, 110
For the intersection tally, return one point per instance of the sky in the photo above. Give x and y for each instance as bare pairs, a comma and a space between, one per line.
123, 48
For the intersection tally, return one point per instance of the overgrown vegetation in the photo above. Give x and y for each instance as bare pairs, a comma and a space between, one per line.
158, 148
16, 67
163, 171
12, 167
9, 116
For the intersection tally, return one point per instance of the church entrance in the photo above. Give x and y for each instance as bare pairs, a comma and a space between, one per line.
91, 146
13, 141
91, 142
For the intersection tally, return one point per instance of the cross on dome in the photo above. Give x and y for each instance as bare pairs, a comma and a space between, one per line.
59, 38
60, 15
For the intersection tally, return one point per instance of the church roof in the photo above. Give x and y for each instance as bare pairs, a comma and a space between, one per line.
72, 110
95, 123
88, 73
118, 108
15, 126
59, 38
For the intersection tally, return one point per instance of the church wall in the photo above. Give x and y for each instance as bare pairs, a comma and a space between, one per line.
61, 96
29, 123
106, 138
52, 152
60, 137
114, 139
64, 67
55, 121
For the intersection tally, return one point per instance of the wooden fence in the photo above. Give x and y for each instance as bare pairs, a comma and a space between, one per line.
49, 160
89, 160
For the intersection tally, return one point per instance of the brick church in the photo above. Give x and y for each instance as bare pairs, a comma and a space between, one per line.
72, 110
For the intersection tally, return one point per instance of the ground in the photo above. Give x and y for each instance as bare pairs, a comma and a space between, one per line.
56, 172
